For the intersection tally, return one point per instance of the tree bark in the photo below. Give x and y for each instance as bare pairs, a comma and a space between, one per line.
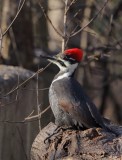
15, 105
4, 24
90, 144
23, 28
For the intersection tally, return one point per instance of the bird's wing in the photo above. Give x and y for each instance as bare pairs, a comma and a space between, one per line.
87, 103
73, 100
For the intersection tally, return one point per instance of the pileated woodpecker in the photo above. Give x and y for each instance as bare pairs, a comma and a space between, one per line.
69, 103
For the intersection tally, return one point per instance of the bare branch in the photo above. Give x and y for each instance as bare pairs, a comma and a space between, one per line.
19, 4
37, 116
13, 101
13, 42
30, 113
29, 118
0, 40
14, 19
27, 80
90, 20
70, 21
73, 1
46, 16
65, 27
37, 100
40, 89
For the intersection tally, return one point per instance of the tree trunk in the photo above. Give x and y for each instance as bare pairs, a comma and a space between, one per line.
15, 105
90, 144
23, 33
56, 16
6, 9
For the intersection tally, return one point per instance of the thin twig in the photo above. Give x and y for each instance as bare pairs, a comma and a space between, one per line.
37, 116
47, 17
65, 27
17, 90
73, 1
13, 101
73, 31
37, 99
90, 20
28, 118
13, 41
19, 5
27, 80
70, 21
43, 89
30, 114
91, 33
14, 18
0, 41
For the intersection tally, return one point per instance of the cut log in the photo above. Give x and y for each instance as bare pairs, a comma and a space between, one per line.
90, 144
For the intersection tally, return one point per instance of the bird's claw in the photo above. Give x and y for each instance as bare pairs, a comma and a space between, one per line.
55, 132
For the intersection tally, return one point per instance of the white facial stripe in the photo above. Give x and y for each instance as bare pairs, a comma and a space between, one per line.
65, 62
58, 64
68, 72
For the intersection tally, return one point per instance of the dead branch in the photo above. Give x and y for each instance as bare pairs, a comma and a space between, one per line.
49, 20
65, 27
13, 41
10, 25
37, 116
90, 20
68, 8
37, 100
40, 89
29, 118
0, 41
87, 14
23, 83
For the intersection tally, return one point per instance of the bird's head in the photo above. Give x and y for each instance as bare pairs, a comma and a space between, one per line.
73, 55
67, 60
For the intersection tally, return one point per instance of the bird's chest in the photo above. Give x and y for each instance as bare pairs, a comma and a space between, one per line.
54, 100
57, 93
57, 98
58, 90
61, 95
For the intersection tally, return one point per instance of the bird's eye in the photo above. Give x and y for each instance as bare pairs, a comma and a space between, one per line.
62, 63
69, 58
66, 57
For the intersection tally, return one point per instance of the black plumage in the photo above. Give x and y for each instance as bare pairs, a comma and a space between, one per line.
71, 106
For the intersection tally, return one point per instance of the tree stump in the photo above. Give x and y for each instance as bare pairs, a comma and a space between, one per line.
90, 144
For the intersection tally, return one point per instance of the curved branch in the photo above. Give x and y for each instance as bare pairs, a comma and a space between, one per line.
0, 41
10, 25
90, 20
27, 80
46, 16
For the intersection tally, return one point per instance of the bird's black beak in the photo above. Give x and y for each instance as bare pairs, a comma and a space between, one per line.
48, 57
55, 60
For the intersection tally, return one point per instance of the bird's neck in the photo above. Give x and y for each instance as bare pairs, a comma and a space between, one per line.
65, 73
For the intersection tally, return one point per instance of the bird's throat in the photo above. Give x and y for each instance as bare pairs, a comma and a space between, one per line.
68, 72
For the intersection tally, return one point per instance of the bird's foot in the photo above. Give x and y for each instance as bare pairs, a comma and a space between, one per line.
58, 128
55, 132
